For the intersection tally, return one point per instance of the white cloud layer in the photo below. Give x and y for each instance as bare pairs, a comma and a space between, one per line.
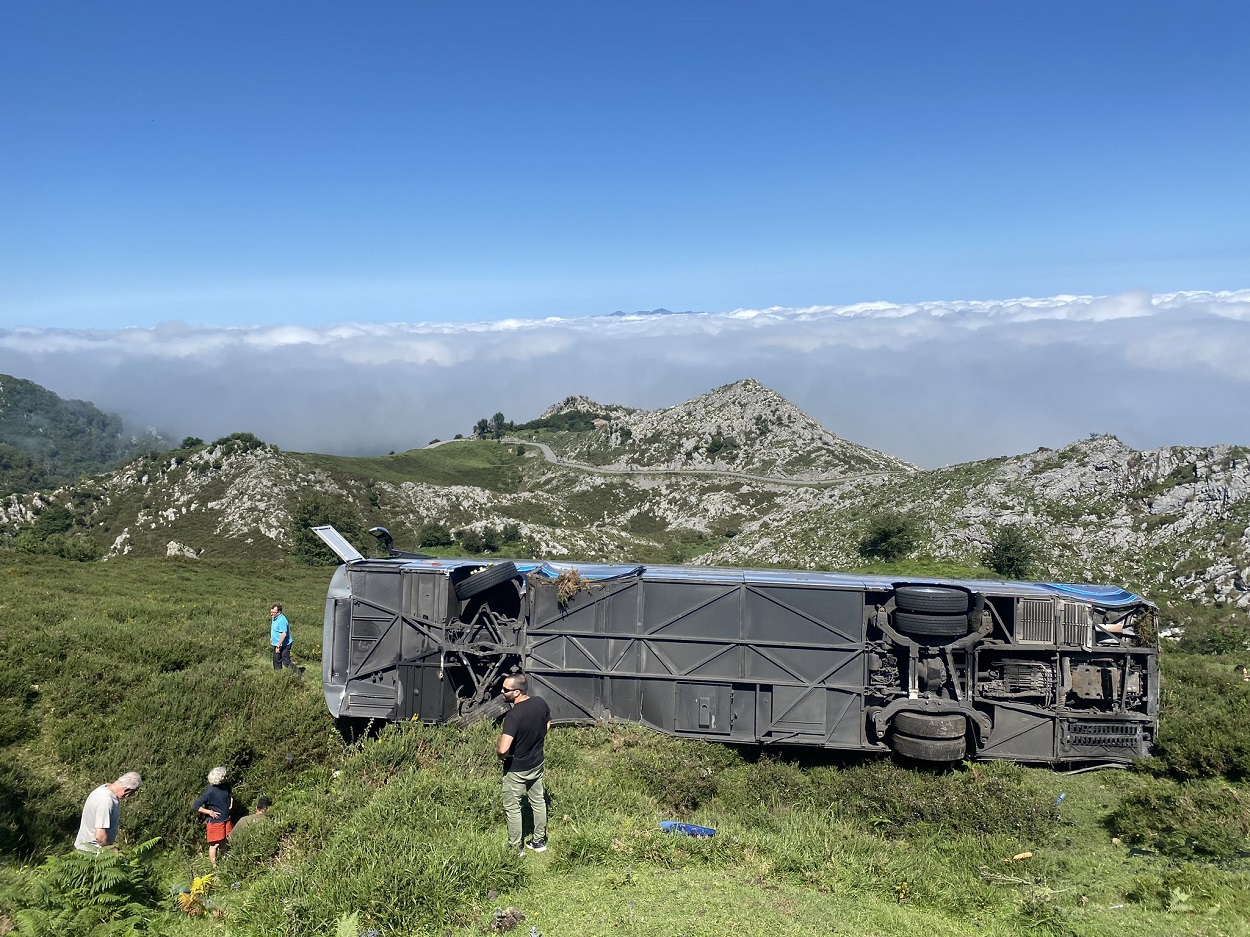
934, 382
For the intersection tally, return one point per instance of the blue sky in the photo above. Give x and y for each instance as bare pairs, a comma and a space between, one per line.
239, 164
356, 227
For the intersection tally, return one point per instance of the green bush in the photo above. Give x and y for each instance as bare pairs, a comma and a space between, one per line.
252, 848
53, 519
316, 509
434, 535
77, 547
472, 541
19, 471
1224, 635
718, 444
889, 537
52, 534
769, 784
1197, 820
17, 698
570, 421
35, 809
646, 524
490, 539
239, 442
1011, 553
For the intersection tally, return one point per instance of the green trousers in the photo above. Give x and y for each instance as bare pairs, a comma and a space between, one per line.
516, 784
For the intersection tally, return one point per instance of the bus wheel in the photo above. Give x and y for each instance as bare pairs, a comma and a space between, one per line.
941, 750
485, 579
927, 726
940, 626
940, 599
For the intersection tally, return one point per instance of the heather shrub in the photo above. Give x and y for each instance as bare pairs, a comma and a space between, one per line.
1197, 820
985, 799
679, 774
1204, 709
770, 784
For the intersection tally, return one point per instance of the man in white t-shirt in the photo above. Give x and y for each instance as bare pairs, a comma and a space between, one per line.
99, 815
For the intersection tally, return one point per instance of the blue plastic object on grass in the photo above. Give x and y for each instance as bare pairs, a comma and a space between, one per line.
686, 829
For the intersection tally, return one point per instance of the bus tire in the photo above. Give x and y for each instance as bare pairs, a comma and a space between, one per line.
940, 750
938, 626
940, 599
487, 578
931, 726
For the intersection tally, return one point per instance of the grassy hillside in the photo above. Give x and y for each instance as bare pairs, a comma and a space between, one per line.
162, 666
483, 465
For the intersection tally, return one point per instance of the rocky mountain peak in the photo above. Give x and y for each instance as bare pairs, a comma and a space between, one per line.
747, 392
742, 427
582, 404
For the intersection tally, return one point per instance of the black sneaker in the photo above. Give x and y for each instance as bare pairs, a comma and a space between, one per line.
536, 844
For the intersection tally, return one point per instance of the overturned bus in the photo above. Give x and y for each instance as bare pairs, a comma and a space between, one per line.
933, 670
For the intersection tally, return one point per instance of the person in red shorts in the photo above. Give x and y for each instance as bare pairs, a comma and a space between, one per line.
215, 805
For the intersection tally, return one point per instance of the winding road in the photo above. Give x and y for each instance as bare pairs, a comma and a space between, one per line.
550, 456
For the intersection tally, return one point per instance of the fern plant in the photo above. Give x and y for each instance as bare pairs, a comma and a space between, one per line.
108, 894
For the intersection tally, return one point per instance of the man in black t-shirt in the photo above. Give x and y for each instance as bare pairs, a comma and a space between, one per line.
521, 748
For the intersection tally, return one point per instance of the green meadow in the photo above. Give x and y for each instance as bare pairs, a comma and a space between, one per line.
162, 666
462, 462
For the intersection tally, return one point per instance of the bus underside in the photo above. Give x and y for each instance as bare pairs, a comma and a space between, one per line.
934, 670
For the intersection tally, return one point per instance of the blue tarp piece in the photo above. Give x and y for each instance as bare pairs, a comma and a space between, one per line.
1106, 595
686, 829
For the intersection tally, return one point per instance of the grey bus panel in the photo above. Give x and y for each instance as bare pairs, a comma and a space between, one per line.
1029, 672
725, 658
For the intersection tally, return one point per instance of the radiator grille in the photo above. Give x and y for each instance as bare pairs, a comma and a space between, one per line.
1035, 621
1074, 624
1102, 734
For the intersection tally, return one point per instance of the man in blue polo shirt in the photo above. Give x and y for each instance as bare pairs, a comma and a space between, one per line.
280, 638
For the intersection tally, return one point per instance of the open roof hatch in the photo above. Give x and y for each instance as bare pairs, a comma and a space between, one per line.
338, 543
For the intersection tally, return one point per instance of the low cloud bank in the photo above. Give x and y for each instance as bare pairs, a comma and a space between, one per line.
934, 383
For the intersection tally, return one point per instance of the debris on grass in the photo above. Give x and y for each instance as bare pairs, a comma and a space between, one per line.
508, 919
686, 829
